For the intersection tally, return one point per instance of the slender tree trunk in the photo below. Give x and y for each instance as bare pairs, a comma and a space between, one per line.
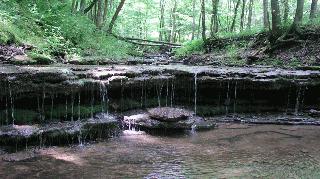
82, 5
73, 6
174, 24
266, 21
276, 20
203, 21
214, 18
233, 25
115, 16
286, 11
161, 33
90, 6
313, 10
193, 19
99, 14
250, 14
242, 14
199, 25
105, 10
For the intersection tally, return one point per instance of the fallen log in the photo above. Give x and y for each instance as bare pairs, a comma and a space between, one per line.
145, 42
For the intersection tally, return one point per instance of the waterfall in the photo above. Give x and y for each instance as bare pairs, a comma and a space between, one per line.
72, 105
141, 102
167, 92
296, 109
7, 114
228, 99
12, 104
42, 105
172, 92
51, 113
195, 92
103, 96
66, 115
79, 102
235, 98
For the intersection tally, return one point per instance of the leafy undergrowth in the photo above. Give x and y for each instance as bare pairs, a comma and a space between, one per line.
53, 31
237, 50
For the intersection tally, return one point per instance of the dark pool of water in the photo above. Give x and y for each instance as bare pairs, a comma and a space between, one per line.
230, 151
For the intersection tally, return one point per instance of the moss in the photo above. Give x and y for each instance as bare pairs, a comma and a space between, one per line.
41, 58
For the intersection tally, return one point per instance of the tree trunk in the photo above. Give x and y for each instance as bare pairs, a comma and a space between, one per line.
250, 14
266, 21
90, 6
174, 24
203, 21
242, 14
193, 19
99, 17
82, 5
299, 12
115, 16
161, 28
214, 18
105, 10
276, 21
286, 11
313, 10
235, 16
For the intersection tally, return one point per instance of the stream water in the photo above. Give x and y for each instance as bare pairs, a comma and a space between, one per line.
232, 150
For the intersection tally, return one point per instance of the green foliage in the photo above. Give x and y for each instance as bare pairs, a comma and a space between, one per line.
55, 31
40, 58
195, 46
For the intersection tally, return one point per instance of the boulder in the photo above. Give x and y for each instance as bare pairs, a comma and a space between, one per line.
167, 114
314, 113
167, 118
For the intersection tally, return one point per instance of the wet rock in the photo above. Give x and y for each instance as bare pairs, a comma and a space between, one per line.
19, 156
166, 118
314, 113
202, 124
101, 125
167, 114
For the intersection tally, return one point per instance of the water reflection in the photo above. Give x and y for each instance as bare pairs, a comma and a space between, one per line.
230, 151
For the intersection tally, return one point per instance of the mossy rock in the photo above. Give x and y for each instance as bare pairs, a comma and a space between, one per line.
41, 59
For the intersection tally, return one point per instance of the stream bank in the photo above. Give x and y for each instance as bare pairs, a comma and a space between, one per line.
69, 95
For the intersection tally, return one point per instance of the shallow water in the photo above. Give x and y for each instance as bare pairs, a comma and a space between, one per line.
230, 151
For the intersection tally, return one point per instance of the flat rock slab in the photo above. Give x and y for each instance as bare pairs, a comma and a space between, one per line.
167, 114
101, 124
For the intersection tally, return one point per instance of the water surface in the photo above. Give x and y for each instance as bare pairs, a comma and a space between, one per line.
231, 151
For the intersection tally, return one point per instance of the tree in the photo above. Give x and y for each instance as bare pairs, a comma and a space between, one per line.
276, 21
250, 14
266, 22
203, 20
286, 11
299, 12
313, 10
235, 16
214, 18
193, 19
115, 16
161, 33
174, 24
242, 14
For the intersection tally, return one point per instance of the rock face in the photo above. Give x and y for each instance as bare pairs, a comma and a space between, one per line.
166, 118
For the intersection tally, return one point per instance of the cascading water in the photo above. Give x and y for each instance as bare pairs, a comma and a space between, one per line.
296, 109
235, 98
195, 92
